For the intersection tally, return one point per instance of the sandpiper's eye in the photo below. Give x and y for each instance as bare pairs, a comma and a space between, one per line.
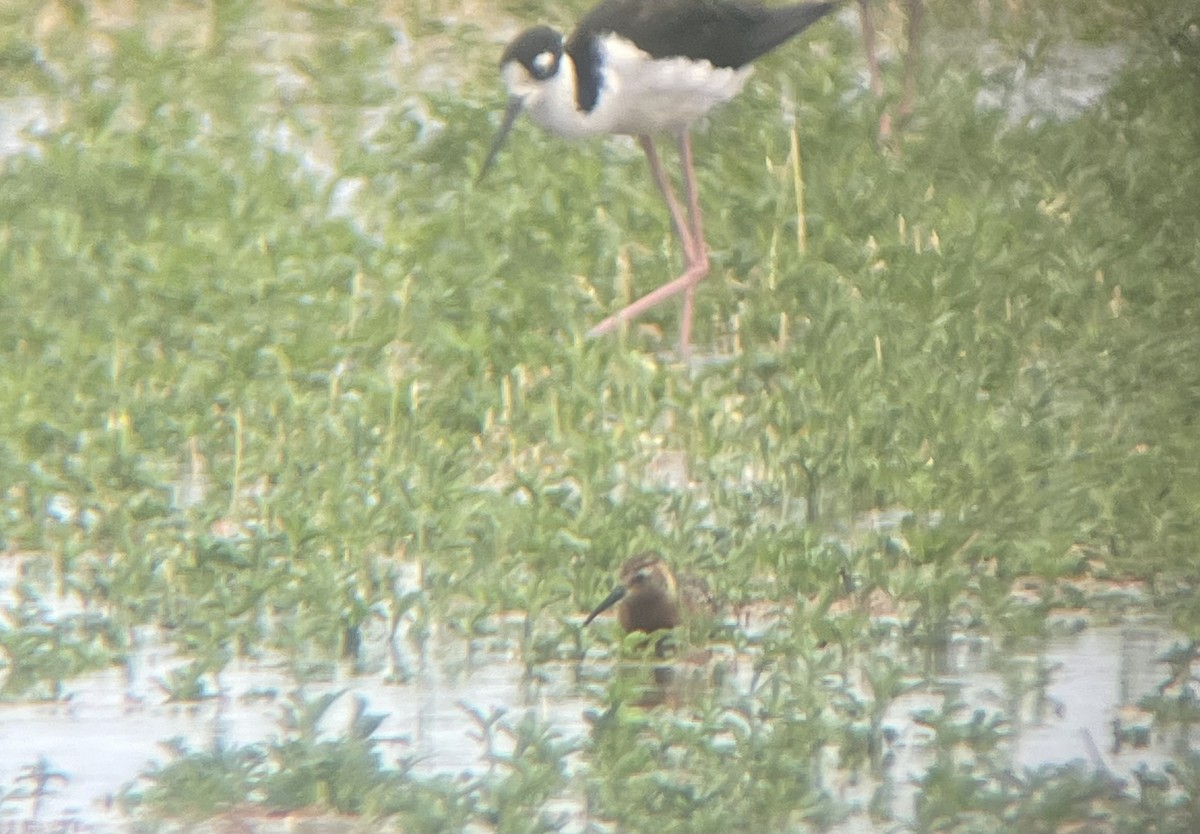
543, 65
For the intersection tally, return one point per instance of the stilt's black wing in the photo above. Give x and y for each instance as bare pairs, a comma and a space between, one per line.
723, 32
728, 34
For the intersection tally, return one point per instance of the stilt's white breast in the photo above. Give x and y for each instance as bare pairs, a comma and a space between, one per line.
641, 94
638, 94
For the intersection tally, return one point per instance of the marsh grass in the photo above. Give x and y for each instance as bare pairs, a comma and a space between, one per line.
262, 263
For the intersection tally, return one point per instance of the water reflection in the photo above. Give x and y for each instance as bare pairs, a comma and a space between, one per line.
1069, 698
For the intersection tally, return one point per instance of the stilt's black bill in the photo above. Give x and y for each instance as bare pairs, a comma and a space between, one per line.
515, 103
609, 601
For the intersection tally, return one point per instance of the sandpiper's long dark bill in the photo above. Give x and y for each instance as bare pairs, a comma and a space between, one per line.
640, 67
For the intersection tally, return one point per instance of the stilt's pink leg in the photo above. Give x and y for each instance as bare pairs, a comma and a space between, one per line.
690, 231
699, 266
683, 230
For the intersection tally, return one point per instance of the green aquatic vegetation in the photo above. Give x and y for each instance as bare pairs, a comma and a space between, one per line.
42, 779
301, 768
712, 767
984, 793
981, 732
191, 682
310, 767
197, 785
40, 651
271, 277
1040, 800
308, 770
1178, 697
511, 795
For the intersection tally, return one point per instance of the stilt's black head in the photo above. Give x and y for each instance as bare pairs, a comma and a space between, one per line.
533, 57
537, 50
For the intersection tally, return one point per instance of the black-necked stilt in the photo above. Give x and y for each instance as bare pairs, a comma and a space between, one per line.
640, 67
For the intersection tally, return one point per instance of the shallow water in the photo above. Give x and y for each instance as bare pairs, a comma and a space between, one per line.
1063, 700
1061, 697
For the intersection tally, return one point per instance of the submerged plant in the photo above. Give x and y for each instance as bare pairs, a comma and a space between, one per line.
312, 769
265, 347
40, 651
41, 778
